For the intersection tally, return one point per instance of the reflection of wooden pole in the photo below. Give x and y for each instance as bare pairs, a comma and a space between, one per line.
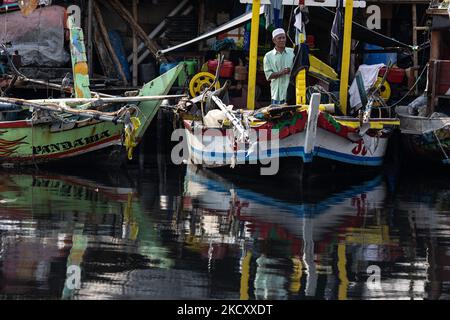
253, 54
342, 270
125, 15
104, 33
346, 51
135, 46
415, 56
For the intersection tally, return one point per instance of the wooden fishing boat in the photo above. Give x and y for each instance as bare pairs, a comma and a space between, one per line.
55, 129
425, 123
309, 132
45, 138
303, 132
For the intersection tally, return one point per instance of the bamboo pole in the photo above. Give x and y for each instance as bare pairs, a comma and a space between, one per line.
201, 20
98, 115
71, 101
59, 87
89, 38
253, 54
346, 51
104, 33
125, 15
135, 46
415, 55
105, 60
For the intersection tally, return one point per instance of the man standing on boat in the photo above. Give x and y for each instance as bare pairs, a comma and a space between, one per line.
277, 66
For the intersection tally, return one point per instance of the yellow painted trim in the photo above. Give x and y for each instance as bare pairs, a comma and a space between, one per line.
253, 55
300, 87
379, 124
245, 276
346, 51
320, 67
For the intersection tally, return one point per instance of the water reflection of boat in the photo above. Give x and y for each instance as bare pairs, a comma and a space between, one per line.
286, 246
51, 221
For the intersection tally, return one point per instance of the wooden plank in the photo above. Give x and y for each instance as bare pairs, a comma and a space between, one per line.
125, 15
89, 37
415, 55
436, 40
104, 34
105, 60
201, 21
135, 46
79, 60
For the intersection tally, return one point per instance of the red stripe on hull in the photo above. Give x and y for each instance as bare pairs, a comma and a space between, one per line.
64, 154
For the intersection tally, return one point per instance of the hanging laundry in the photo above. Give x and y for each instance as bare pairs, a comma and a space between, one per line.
274, 14
336, 37
301, 20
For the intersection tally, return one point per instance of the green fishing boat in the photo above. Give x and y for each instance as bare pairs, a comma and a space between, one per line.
54, 129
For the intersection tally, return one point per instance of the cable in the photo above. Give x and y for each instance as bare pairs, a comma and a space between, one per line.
410, 90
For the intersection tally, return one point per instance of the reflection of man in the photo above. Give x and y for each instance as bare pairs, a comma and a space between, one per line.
277, 66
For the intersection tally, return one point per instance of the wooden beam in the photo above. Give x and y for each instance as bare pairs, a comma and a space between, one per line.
201, 20
436, 39
105, 60
254, 34
125, 15
104, 33
89, 37
415, 55
135, 46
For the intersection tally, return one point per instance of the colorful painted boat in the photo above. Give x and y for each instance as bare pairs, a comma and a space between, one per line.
306, 133
30, 141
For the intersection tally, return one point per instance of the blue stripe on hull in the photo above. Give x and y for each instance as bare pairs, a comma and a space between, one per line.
289, 152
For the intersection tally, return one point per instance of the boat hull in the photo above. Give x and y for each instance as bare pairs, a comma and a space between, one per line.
27, 142
425, 139
215, 148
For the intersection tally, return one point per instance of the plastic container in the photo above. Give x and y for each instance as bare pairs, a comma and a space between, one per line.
166, 66
240, 73
191, 67
375, 58
226, 71
395, 75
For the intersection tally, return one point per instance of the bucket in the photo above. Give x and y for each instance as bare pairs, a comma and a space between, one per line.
375, 58
166, 66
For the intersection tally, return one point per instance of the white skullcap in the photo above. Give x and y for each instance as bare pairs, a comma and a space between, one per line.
277, 32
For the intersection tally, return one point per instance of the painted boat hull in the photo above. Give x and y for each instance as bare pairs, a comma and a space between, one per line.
214, 148
425, 139
27, 143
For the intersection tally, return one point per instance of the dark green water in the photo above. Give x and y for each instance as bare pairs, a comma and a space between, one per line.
167, 232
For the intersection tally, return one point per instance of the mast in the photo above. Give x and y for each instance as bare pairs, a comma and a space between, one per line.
346, 51
253, 54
